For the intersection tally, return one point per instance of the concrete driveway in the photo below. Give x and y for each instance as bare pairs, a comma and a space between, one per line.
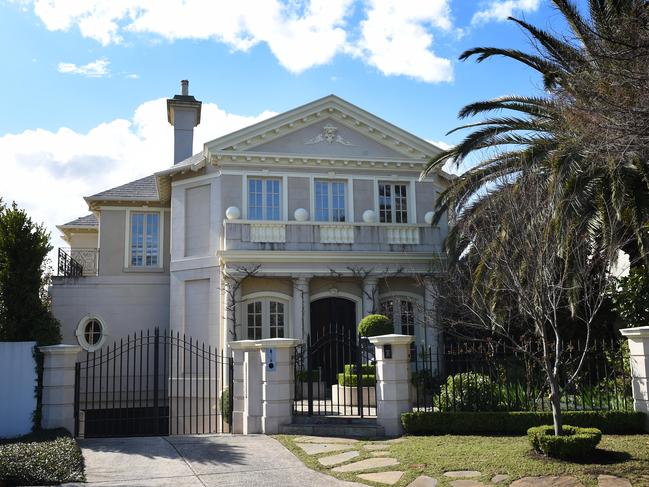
223, 460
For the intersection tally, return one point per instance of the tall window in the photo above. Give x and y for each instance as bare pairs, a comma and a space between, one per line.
330, 201
266, 318
393, 203
145, 239
402, 313
264, 197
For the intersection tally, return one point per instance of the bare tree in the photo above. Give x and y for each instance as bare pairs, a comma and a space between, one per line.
515, 269
234, 278
360, 274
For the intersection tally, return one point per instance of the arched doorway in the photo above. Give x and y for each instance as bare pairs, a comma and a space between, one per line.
333, 336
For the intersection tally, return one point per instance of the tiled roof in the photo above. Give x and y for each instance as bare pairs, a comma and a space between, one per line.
83, 221
140, 189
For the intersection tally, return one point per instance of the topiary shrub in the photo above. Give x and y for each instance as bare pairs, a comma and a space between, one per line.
366, 369
375, 325
351, 380
573, 443
468, 391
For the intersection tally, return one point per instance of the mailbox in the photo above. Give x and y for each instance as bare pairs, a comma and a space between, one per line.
387, 351
270, 360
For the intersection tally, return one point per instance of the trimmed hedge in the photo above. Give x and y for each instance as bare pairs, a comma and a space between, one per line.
352, 380
303, 375
375, 325
573, 443
48, 457
366, 369
517, 423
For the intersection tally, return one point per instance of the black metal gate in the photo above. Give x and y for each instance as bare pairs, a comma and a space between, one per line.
153, 384
335, 375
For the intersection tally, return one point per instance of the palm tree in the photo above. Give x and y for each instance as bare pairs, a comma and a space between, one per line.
588, 134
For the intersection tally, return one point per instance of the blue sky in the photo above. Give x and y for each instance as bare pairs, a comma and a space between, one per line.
84, 82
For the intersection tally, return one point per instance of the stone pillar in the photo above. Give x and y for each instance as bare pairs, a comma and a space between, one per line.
277, 382
639, 359
246, 384
392, 380
369, 295
58, 386
301, 307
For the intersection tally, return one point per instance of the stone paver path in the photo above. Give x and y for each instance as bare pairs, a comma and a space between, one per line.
320, 439
423, 481
389, 478
496, 479
376, 446
612, 481
560, 481
380, 453
466, 483
336, 459
367, 464
317, 448
456, 474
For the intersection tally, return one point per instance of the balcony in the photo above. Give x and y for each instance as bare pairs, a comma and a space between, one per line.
78, 262
323, 236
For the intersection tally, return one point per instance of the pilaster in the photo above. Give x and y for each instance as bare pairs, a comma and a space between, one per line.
58, 386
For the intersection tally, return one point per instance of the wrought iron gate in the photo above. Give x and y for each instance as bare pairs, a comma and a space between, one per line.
153, 384
335, 375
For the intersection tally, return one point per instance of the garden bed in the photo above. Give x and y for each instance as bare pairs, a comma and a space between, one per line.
48, 457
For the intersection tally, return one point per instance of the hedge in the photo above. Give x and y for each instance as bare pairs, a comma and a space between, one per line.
578, 443
352, 380
366, 369
48, 457
517, 423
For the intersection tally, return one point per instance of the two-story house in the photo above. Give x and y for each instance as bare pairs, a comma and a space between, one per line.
317, 215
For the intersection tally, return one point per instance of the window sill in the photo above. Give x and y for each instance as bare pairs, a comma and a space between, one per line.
143, 269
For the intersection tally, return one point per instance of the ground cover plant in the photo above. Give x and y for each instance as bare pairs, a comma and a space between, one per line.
622, 456
47, 457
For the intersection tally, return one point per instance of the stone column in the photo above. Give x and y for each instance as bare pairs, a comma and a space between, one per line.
639, 359
245, 405
58, 386
301, 307
277, 382
392, 380
369, 295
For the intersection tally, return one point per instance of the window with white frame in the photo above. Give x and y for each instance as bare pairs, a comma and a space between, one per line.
91, 333
145, 239
330, 201
402, 313
265, 318
264, 198
393, 202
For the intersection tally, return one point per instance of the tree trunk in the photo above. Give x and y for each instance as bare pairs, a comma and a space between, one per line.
555, 399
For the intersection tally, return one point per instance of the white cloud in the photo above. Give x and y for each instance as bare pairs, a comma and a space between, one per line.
95, 69
499, 10
395, 36
48, 173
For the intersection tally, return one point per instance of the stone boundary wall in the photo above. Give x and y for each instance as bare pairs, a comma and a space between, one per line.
18, 386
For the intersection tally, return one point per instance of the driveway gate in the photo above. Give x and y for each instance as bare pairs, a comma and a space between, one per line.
335, 375
153, 384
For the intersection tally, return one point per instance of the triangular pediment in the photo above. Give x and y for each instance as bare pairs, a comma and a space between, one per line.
327, 138
328, 127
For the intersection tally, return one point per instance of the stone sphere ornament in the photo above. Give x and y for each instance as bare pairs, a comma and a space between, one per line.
428, 217
369, 216
301, 215
233, 213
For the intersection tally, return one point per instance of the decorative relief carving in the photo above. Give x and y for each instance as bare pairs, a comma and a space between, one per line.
328, 135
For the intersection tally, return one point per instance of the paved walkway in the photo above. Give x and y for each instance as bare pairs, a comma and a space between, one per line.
197, 461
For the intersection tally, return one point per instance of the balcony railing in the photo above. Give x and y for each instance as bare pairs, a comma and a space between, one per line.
322, 236
78, 262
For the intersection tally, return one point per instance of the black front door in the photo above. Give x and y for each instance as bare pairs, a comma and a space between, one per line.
333, 336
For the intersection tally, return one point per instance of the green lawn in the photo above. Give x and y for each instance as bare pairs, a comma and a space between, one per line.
623, 456
46, 457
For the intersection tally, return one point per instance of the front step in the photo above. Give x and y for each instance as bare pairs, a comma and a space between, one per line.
333, 426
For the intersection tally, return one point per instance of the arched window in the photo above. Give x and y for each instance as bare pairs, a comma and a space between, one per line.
265, 318
91, 333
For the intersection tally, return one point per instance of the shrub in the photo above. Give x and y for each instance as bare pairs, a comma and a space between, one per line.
351, 380
226, 410
516, 423
468, 391
573, 443
44, 458
366, 369
374, 325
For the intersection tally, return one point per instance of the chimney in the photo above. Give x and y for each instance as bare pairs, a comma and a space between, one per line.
184, 113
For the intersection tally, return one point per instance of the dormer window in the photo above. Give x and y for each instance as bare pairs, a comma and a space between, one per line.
264, 198
393, 202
